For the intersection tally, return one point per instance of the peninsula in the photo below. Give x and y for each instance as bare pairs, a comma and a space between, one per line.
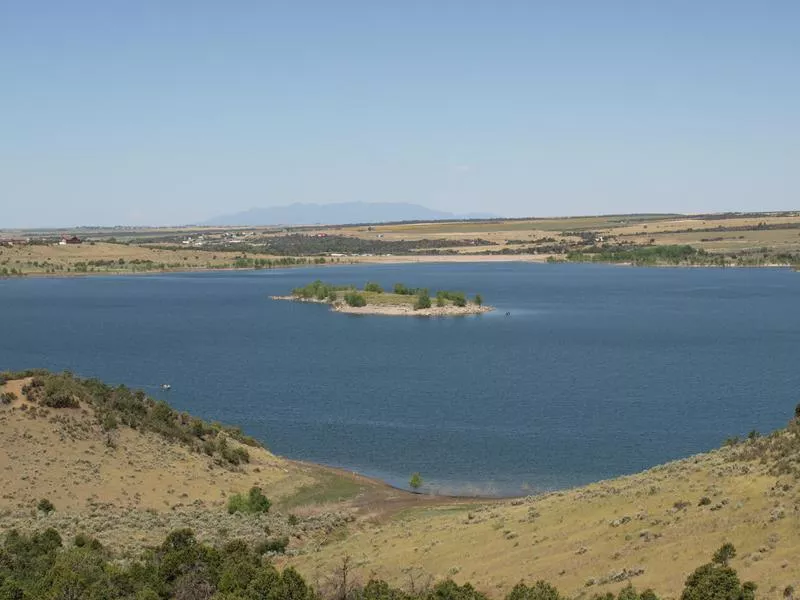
401, 301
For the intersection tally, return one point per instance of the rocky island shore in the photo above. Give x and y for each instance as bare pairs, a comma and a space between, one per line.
403, 301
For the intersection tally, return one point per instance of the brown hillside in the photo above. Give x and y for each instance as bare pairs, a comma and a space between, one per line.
130, 487
651, 529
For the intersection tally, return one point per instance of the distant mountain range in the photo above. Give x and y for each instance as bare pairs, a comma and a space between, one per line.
339, 214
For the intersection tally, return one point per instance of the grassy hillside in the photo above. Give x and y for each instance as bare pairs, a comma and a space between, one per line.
126, 469
651, 529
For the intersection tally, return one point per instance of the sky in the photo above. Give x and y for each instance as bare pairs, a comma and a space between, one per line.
143, 112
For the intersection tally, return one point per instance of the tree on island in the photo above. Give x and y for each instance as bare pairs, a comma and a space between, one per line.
423, 300
458, 298
355, 299
478, 300
373, 286
415, 482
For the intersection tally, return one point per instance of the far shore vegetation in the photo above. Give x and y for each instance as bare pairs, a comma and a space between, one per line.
714, 240
373, 294
674, 255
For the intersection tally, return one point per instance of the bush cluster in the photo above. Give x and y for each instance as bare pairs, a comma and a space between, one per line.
318, 290
355, 299
423, 300
122, 406
42, 566
780, 449
55, 392
6, 376
643, 255
254, 502
457, 298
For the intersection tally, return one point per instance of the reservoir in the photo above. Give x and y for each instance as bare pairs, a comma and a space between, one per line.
597, 371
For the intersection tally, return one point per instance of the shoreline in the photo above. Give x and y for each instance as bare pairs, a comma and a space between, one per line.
426, 496
354, 261
394, 310
540, 259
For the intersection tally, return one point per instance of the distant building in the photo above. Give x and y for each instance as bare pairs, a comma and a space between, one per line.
70, 240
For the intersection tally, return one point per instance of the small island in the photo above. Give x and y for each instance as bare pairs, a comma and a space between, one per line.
401, 301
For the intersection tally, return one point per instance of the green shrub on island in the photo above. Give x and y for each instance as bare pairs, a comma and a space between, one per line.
254, 502
423, 300
355, 299
317, 290
324, 292
457, 298
401, 289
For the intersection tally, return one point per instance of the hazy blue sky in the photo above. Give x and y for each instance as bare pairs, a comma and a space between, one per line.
173, 111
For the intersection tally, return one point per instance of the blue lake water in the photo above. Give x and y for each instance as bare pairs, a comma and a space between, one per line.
599, 370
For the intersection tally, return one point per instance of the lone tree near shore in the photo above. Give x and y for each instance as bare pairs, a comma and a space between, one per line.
415, 482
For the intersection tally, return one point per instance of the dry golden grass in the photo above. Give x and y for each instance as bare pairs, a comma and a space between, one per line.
63, 259
63, 455
130, 488
571, 538
662, 230
780, 240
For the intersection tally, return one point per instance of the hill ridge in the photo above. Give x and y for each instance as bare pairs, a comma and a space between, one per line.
340, 213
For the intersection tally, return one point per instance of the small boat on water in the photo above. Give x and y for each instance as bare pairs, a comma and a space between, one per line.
166, 386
